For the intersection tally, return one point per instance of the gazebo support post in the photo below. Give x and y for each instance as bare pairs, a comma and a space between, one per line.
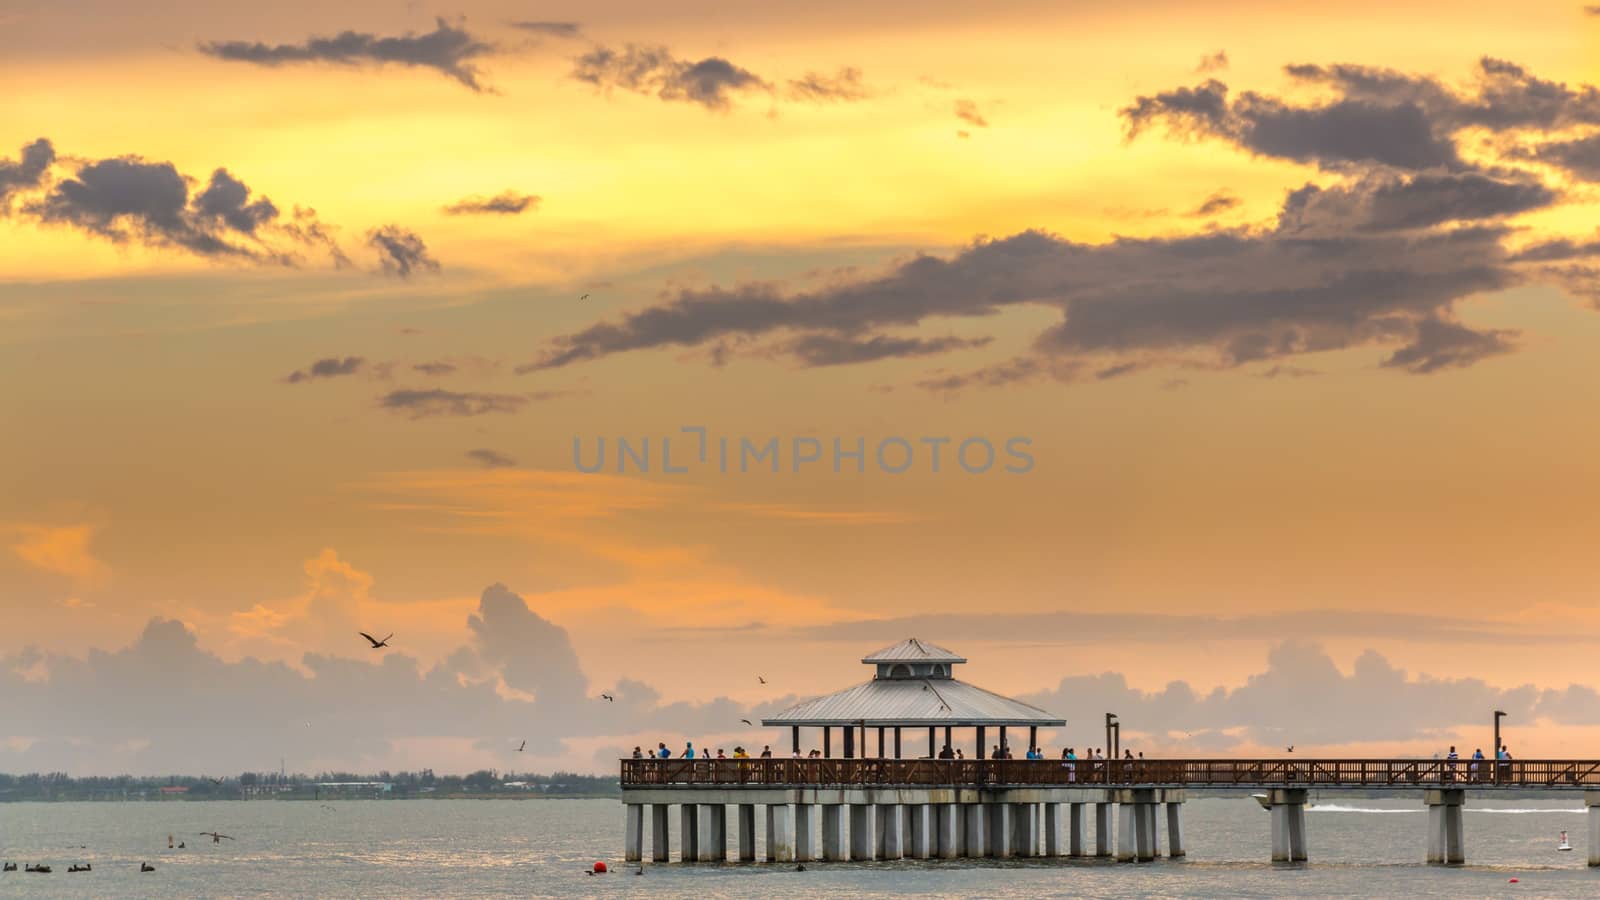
897, 742
980, 741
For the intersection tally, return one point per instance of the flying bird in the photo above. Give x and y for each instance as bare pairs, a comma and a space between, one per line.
608, 698
216, 838
214, 780
375, 642
748, 722
1290, 748
760, 679
523, 747
584, 297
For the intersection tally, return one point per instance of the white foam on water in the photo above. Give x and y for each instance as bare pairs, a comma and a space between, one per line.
1519, 812
1337, 807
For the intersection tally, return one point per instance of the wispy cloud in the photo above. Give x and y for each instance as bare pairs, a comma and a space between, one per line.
967, 111
490, 459
711, 82
449, 50
504, 203
569, 30
331, 367
427, 404
401, 251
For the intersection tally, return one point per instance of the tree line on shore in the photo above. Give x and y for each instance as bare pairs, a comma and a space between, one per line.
53, 786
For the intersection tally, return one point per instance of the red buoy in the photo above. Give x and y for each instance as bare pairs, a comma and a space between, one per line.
1513, 881
600, 868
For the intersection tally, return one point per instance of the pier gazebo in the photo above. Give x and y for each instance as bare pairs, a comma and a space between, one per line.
913, 687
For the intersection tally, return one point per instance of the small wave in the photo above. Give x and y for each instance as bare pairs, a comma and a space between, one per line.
1336, 807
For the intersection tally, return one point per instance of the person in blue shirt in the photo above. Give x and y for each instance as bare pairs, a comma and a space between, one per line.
663, 752
688, 750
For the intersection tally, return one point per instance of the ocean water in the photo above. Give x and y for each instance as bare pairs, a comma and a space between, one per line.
466, 848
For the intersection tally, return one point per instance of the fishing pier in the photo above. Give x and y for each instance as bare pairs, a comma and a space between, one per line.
885, 806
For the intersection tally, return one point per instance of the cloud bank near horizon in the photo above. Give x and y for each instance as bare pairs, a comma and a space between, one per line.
165, 704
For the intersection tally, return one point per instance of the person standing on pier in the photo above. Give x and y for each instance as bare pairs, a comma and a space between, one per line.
688, 750
662, 751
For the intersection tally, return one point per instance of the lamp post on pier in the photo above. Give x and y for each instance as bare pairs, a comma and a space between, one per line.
1498, 715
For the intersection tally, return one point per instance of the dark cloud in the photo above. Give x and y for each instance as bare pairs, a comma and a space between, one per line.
1591, 10
425, 404
331, 367
1213, 62
1408, 202
1343, 131
28, 171
447, 49
1439, 344
435, 368
1217, 203
711, 82
1580, 156
815, 350
967, 111
814, 87
490, 459
569, 30
1503, 96
128, 199
1235, 295
1558, 249
1377, 116
401, 251
1381, 252
504, 203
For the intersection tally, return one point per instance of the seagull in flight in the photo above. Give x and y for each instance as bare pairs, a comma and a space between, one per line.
215, 837
375, 642
584, 297
1290, 748
608, 698
760, 679
748, 722
214, 780
523, 747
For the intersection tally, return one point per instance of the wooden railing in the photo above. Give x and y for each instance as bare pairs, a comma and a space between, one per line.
1395, 773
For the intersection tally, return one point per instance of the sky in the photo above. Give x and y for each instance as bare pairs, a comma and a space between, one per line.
1226, 364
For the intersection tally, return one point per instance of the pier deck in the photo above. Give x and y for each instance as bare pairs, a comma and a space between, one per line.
1413, 774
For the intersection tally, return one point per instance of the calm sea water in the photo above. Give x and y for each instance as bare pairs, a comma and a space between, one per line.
542, 848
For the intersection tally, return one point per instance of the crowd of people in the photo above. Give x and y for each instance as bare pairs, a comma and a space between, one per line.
1000, 751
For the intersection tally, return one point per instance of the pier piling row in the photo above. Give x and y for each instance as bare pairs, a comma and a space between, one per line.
974, 823
901, 823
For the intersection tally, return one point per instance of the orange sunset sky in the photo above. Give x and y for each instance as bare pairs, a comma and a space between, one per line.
303, 307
